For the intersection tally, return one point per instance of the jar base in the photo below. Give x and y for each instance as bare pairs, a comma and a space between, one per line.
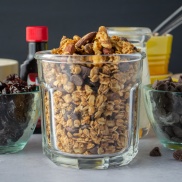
91, 163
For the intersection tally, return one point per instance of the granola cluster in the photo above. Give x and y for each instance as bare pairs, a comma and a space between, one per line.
95, 43
90, 94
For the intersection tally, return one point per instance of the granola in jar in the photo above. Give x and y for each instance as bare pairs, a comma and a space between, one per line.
92, 94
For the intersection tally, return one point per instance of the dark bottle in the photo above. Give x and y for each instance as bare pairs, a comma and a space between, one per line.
37, 38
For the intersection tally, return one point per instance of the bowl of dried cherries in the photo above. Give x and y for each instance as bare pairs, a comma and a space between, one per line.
19, 113
163, 101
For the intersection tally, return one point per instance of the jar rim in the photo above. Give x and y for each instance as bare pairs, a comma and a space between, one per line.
47, 55
149, 88
21, 93
129, 30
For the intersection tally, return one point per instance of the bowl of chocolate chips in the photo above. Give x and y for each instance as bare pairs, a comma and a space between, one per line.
19, 113
163, 101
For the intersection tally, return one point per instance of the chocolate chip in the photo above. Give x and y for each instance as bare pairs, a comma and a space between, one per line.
177, 131
155, 152
178, 155
94, 150
75, 116
72, 130
112, 96
175, 117
180, 79
155, 84
14, 132
162, 86
169, 131
107, 51
179, 88
161, 112
94, 85
173, 84
169, 79
85, 72
177, 107
171, 88
92, 118
77, 80
124, 66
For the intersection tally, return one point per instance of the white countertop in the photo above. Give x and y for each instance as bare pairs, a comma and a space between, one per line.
30, 165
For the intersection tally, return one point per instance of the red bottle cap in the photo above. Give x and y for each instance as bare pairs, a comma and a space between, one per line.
37, 34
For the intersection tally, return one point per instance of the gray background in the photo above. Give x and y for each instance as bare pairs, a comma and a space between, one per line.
72, 17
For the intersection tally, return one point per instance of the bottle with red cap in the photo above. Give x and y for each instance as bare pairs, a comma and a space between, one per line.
37, 38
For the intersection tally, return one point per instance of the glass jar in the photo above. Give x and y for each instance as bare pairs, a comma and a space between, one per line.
139, 37
90, 108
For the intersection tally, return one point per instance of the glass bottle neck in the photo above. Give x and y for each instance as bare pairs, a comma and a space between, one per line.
33, 47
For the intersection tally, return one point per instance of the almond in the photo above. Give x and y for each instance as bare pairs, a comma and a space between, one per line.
69, 49
86, 39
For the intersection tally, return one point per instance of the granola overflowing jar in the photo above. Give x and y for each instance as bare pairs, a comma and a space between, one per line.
138, 36
90, 108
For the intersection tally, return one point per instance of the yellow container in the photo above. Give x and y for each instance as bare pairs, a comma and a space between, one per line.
153, 78
158, 53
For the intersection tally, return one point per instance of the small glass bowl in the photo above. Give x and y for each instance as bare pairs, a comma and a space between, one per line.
19, 114
164, 109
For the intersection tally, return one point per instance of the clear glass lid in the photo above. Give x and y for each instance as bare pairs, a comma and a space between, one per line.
133, 34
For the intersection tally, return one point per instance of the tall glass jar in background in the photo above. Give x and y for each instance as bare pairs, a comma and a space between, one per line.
90, 108
138, 36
